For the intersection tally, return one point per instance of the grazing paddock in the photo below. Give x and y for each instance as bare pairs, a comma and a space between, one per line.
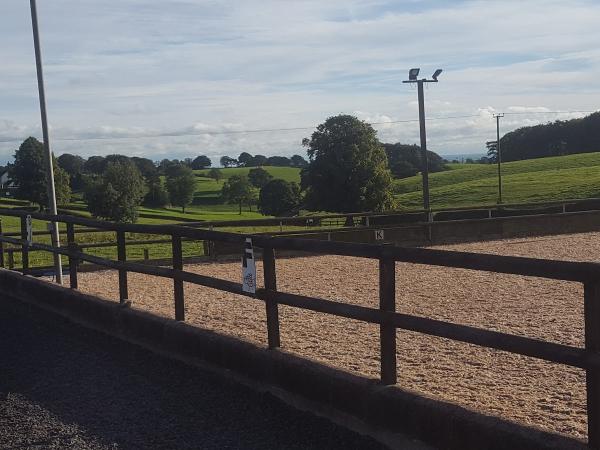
519, 388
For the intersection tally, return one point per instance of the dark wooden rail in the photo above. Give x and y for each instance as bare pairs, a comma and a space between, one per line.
385, 316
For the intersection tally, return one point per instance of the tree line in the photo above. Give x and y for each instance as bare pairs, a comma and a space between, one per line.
562, 137
113, 186
247, 160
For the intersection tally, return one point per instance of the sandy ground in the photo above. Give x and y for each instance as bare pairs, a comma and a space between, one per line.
518, 388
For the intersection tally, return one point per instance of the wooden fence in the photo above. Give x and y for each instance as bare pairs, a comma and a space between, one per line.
587, 358
338, 222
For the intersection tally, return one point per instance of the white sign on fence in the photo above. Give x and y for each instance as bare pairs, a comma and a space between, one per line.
248, 268
29, 226
379, 235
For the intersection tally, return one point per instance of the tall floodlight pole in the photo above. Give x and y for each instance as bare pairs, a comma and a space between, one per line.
50, 171
499, 156
412, 78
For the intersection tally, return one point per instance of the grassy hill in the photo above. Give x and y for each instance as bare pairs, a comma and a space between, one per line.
544, 179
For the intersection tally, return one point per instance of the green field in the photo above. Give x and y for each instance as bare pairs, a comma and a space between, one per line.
213, 210
534, 180
463, 185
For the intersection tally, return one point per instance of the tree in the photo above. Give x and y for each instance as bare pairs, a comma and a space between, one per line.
278, 161
94, 165
157, 196
402, 156
298, 161
252, 198
215, 174
147, 168
258, 177
62, 188
29, 173
117, 194
73, 165
279, 197
237, 190
201, 162
259, 160
348, 169
226, 161
115, 158
245, 159
164, 165
181, 185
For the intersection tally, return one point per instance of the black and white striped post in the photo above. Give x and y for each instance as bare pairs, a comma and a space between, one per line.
248, 268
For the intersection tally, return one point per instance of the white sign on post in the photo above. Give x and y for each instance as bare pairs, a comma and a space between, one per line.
248, 268
29, 226
379, 235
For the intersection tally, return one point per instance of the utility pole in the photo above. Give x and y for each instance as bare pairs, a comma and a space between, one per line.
423, 136
499, 156
412, 78
55, 237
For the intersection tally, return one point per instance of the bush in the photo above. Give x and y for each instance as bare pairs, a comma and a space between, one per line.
279, 197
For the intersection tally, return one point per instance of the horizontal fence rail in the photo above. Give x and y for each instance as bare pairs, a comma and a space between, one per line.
385, 316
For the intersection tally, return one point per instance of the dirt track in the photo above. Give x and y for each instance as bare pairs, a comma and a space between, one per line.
514, 387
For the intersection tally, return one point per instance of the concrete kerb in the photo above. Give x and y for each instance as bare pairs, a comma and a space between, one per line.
391, 409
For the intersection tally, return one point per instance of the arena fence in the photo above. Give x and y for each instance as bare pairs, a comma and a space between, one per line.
587, 358
333, 223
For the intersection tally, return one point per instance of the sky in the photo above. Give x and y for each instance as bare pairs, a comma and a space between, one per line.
180, 78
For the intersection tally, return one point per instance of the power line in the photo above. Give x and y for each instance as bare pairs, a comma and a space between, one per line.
226, 132
547, 112
275, 130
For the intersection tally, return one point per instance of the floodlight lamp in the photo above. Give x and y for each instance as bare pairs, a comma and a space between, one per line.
436, 74
413, 74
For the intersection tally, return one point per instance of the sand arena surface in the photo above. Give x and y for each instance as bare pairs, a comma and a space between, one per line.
515, 387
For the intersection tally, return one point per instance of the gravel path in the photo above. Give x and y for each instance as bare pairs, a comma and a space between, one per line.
62, 386
511, 386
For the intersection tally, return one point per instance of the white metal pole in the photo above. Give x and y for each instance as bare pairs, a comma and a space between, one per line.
49, 165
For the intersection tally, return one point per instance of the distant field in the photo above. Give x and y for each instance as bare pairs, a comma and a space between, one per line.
544, 179
208, 189
285, 173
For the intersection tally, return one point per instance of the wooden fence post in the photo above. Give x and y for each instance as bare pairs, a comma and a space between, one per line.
146, 254
592, 343
73, 260
122, 256
270, 276
177, 281
11, 258
1, 246
387, 333
24, 246
73, 265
